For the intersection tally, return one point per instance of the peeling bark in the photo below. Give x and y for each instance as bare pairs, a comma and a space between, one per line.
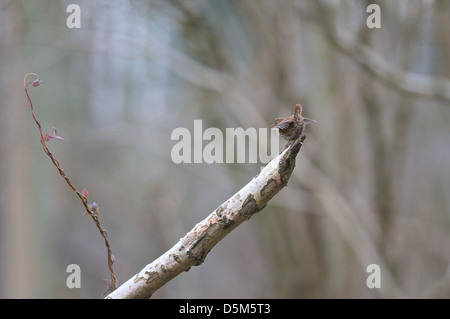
192, 249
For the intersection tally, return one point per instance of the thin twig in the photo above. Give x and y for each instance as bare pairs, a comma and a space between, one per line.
90, 210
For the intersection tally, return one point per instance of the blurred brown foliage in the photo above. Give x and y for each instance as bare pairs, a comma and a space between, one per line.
372, 183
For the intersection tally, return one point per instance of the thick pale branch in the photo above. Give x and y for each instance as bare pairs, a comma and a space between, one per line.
192, 249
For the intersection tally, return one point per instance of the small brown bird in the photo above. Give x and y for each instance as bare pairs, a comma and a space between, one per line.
292, 127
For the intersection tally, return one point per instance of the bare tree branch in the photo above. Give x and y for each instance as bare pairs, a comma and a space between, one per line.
192, 249
404, 81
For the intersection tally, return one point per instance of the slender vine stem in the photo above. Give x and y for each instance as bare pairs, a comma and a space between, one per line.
91, 209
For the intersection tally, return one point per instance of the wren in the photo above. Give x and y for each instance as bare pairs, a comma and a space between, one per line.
292, 127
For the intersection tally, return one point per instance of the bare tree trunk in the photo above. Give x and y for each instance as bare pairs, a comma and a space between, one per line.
16, 213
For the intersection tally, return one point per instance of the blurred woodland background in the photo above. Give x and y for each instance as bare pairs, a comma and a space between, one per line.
371, 185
